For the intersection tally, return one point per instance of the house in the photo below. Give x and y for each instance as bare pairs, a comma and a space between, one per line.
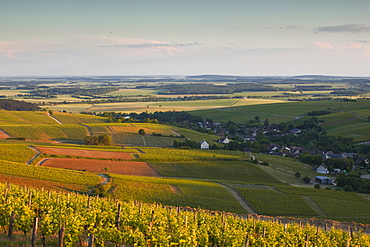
322, 169
295, 131
323, 180
204, 145
225, 140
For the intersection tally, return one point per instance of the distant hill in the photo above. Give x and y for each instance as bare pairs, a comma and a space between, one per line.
15, 105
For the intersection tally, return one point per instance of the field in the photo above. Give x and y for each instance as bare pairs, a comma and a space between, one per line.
98, 166
225, 171
128, 107
46, 132
24, 117
16, 153
68, 118
3, 135
157, 129
270, 202
282, 112
49, 174
43, 184
85, 153
176, 192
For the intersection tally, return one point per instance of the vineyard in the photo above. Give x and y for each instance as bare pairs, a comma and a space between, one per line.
138, 140
148, 130
86, 153
289, 200
99, 166
67, 118
224, 171
24, 117
49, 174
15, 153
46, 132
54, 219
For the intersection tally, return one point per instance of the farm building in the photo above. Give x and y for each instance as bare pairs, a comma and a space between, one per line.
323, 180
322, 169
224, 140
204, 145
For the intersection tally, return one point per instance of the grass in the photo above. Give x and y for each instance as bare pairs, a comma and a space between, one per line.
176, 192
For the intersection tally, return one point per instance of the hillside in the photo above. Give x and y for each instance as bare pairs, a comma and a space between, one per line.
347, 118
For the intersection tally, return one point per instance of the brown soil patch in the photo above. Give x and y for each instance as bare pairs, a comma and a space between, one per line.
3, 135
176, 189
85, 153
118, 167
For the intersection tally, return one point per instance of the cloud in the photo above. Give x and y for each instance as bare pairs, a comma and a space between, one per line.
351, 47
153, 45
349, 28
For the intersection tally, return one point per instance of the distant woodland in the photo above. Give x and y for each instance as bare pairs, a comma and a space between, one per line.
15, 105
204, 88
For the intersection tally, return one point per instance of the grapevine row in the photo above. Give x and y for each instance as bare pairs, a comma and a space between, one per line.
79, 218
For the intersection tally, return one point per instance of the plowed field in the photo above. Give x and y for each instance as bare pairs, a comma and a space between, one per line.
3, 135
119, 167
85, 153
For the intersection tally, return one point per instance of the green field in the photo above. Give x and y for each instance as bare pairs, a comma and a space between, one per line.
223, 171
270, 202
176, 192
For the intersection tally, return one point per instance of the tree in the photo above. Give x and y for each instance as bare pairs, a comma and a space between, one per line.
317, 186
257, 118
306, 179
141, 132
266, 123
176, 143
297, 175
106, 169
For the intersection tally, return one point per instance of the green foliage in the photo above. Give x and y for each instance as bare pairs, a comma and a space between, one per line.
306, 179
317, 186
15, 105
102, 140
141, 132
141, 224
15, 153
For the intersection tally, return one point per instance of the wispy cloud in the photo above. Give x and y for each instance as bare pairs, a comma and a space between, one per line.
352, 46
153, 45
348, 28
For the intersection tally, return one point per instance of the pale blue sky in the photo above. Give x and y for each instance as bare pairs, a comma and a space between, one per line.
173, 37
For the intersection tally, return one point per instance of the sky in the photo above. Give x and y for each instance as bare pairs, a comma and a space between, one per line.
177, 37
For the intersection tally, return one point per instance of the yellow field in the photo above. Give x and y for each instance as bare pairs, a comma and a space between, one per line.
128, 107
